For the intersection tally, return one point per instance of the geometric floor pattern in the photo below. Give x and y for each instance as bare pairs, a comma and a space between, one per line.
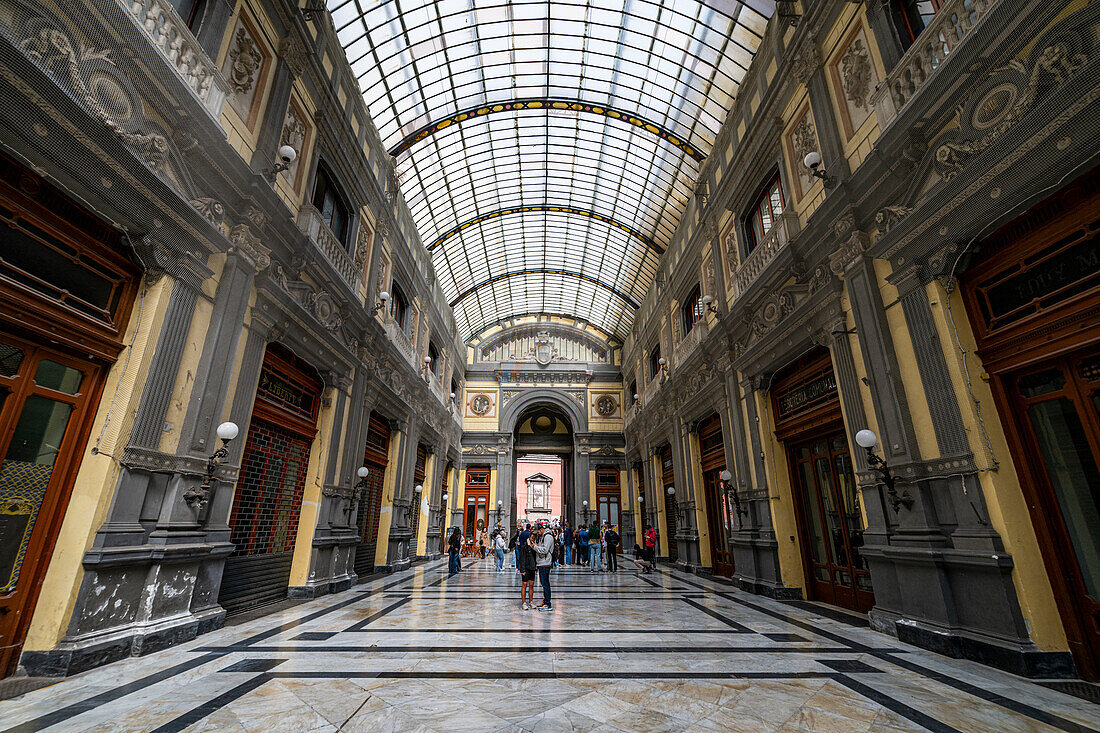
421, 651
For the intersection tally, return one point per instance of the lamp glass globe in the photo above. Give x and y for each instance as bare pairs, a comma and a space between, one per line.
812, 159
363, 472
445, 497
725, 475
708, 299
383, 296
639, 499
228, 430
866, 439
671, 490
418, 488
287, 154
584, 503
427, 360
662, 361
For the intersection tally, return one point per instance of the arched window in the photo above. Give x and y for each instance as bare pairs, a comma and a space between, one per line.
655, 361
434, 366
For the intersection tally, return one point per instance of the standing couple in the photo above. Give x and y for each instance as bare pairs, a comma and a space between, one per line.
535, 553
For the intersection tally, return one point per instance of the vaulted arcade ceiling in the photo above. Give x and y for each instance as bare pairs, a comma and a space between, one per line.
547, 150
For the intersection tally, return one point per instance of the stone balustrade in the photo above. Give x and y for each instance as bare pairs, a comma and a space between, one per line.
785, 228
175, 43
952, 23
310, 222
691, 342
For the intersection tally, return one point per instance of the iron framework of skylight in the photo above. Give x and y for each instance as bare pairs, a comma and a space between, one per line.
560, 139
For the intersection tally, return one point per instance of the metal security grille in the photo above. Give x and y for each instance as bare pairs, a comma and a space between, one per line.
417, 499
375, 458
264, 521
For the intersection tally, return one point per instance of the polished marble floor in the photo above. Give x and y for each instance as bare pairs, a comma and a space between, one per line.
419, 651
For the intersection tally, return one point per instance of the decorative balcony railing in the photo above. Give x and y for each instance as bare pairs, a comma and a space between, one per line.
785, 228
690, 342
952, 23
173, 40
401, 340
310, 222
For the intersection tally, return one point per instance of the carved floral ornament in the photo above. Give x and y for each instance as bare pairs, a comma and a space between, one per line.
857, 75
245, 59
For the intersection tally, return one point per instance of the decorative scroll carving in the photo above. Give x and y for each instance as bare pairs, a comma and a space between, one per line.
245, 59
210, 208
294, 54
249, 245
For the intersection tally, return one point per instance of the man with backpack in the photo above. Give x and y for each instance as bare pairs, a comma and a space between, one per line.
544, 545
611, 537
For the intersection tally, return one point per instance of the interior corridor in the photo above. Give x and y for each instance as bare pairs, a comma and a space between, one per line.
668, 651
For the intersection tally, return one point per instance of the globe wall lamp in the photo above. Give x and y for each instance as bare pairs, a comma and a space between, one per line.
585, 511
867, 440
671, 491
708, 303
287, 155
417, 490
383, 298
662, 367
727, 485
499, 511
200, 495
813, 162
427, 366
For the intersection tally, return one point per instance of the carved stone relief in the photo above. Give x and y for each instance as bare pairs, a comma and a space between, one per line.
606, 406
855, 72
244, 66
296, 134
481, 404
802, 139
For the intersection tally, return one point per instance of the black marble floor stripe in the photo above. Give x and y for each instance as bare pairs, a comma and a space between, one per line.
212, 705
534, 675
1008, 703
533, 649
545, 631
358, 626
879, 698
714, 614
62, 714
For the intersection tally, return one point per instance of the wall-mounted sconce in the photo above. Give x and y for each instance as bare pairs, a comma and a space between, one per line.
383, 298
708, 302
200, 495
868, 440
427, 366
662, 367
727, 485
451, 402
415, 503
813, 162
671, 491
585, 510
310, 10
499, 511
287, 155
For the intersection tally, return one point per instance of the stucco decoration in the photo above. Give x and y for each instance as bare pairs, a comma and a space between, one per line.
888, 216
857, 76
210, 208
243, 69
801, 140
363, 242
806, 61
481, 404
247, 244
606, 406
294, 54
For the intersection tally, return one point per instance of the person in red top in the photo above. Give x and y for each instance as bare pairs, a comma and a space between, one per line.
651, 545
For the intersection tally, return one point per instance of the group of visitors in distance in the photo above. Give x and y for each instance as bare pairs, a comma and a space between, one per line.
538, 548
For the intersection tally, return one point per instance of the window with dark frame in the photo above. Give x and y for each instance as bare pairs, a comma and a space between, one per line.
331, 204
189, 10
692, 309
655, 361
915, 17
399, 307
433, 365
764, 212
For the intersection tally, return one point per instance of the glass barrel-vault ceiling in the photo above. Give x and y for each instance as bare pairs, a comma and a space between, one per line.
547, 150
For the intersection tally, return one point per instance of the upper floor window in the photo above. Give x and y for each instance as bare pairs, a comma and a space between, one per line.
692, 309
434, 366
916, 15
655, 361
189, 10
327, 199
764, 212
399, 307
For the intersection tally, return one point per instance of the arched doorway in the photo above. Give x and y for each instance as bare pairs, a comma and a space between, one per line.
543, 448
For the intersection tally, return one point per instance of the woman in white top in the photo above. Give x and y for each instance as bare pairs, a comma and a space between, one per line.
499, 545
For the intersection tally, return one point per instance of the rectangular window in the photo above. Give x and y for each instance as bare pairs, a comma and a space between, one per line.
331, 204
399, 307
917, 14
655, 362
434, 365
692, 310
764, 212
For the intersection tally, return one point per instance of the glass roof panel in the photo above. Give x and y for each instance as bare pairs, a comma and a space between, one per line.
650, 81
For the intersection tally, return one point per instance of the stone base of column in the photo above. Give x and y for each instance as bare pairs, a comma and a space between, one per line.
81, 653
756, 559
957, 603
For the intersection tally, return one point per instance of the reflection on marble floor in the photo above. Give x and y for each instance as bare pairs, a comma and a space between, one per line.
418, 651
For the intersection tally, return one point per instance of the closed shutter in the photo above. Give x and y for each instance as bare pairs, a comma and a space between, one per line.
376, 459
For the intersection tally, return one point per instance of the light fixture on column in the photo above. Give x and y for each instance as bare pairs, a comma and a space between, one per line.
813, 162
287, 155
383, 298
427, 366
867, 440
662, 367
728, 486
585, 510
708, 302
200, 495
671, 491
499, 510
451, 402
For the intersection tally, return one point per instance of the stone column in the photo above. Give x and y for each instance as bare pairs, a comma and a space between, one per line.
399, 553
687, 526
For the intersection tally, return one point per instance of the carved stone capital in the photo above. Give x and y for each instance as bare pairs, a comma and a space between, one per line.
294, 54
849, 253
246, 244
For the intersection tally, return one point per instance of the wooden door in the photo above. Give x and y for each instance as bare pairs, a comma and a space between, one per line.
476, 513
668, 480
1058, 411
44, 418
830, 522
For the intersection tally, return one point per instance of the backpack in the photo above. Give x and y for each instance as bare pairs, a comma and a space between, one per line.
612, 538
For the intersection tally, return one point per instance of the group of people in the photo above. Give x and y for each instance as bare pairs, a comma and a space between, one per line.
539, 548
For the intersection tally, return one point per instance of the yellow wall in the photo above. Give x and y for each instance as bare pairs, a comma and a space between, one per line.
385, 514
312, 497
781, 498
95, 481
693, 456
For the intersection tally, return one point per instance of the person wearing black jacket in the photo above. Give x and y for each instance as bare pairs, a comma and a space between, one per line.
611, 537
528, 566
455, 546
